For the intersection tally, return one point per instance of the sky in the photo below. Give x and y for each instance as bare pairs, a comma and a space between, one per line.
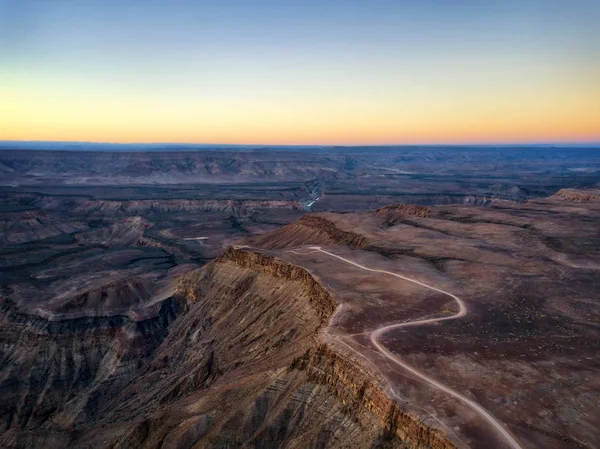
300, 72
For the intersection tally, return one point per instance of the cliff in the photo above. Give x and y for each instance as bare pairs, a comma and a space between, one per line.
309, 230
137, 207
577, 195
235, 357
394, 213
318, 297
125, 232
55, 372
362, 394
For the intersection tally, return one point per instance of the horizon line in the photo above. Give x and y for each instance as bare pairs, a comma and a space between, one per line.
296, 145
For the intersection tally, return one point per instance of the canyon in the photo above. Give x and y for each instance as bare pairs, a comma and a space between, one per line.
181, 300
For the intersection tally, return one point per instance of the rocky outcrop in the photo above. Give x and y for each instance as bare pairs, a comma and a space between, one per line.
234, 357
394, 213
363, 396
336, 235
250, 315
56, 372
242, 363
137, 207
148, 241
85, 207
311, 389
123, 233
121, 294
577, 195
26, 226
362, 393
309, 230
318, 297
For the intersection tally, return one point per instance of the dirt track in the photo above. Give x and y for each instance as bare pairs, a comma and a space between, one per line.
375, 336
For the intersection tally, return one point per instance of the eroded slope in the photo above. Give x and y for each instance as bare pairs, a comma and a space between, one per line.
243, 364
270, 344
527, 349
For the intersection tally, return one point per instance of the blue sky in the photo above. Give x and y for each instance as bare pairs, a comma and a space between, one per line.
300, 71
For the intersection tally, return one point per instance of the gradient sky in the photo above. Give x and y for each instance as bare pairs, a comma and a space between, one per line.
300, 72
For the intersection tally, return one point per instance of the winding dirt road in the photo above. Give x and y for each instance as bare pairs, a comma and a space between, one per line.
462, 311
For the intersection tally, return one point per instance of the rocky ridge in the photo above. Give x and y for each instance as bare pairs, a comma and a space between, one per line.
362, 393
244, 331
239, 353
310, 229
396, 212
578, 195
126, 232
134, 207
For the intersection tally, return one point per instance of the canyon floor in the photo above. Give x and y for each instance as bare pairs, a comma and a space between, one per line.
325, 298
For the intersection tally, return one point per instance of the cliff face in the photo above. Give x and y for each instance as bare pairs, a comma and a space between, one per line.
121, 294
318, 297
393, 213
135, 207
81, 206
55, 373
225, 376
362, 395
243, 363
21, 227
335, 234
309, 230
577, 195
290, 390
126, 232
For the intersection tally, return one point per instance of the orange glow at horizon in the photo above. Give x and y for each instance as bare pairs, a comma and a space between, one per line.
546, 115
300, 72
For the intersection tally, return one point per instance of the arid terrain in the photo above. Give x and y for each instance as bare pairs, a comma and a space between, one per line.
525, 346
404, 297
